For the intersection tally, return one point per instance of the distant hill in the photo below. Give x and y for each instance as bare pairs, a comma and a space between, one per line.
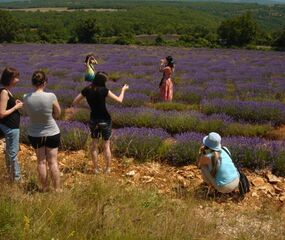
24, 3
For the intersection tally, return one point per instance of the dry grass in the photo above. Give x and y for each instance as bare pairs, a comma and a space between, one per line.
102, 207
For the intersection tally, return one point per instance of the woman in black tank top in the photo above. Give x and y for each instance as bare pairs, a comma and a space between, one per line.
100, 119
10, 120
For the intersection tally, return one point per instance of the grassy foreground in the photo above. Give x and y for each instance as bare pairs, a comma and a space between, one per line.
106, 208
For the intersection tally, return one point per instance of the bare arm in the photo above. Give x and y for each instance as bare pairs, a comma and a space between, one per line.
3, 105
56, 109
162, 65
77, 100
203, 161
121, 96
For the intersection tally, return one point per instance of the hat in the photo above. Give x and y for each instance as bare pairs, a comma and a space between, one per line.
213, 141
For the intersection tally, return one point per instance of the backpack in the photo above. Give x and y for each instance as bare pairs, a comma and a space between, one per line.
244, 185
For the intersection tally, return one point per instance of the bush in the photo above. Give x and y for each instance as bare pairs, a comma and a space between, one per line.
279, 42
247, 110
279, 164
238, 31
9, 27
170, 106
177, 122
141, 143
74, 135
87, 31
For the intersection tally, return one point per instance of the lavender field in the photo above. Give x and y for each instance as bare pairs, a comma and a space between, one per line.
238, 93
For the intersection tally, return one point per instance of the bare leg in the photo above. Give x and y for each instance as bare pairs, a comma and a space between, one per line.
51, 154
107, 155
207, 177
94, 153
42, 167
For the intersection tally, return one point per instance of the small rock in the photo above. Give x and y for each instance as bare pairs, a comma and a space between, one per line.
131, 173
254, 194
277, 189
282, 198
281, 185
257, 181
128, 160
147, 179
272, 178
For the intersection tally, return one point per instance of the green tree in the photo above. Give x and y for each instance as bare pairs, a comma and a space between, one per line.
8, 27
279, 42
125, 39
159, 40
52, 32
87, 31
238, 31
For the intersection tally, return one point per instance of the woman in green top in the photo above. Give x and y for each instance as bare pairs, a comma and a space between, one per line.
90, 72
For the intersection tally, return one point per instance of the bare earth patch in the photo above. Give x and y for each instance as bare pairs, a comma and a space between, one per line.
254, 214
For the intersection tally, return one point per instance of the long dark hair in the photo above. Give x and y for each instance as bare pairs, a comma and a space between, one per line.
100, 79
170, 61
216, 156
8, 75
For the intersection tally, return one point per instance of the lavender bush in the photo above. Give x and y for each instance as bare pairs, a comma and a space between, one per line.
141, 143
73, 134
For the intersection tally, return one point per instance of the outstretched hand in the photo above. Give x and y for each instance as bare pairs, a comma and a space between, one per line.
125, 87
68, 113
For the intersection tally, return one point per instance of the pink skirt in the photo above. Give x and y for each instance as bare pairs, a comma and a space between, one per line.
166, 90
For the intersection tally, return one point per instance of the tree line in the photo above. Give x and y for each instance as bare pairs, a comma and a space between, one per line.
190, 27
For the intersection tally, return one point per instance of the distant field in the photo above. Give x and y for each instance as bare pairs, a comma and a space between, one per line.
65, 9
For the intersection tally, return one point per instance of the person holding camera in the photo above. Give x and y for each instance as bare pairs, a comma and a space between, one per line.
166, 84
100, 119
43, 133
217, 167
10, 120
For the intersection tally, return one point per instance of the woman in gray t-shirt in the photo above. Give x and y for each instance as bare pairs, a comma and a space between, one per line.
43, 132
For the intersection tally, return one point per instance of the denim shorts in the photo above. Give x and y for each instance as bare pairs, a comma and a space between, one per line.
100, 128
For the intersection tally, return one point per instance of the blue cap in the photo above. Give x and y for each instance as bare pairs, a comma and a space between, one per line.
213, 141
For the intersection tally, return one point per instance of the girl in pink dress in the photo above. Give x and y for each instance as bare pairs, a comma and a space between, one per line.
166, 84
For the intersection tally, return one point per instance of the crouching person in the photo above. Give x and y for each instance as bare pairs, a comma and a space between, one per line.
217, 167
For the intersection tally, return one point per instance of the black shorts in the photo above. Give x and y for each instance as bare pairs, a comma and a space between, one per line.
50, 141
101, 129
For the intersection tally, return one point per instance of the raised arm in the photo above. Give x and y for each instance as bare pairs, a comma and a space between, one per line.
4, 97
162, 65
121, 96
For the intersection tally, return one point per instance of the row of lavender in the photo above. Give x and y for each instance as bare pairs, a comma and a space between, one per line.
156, 144
179, 121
